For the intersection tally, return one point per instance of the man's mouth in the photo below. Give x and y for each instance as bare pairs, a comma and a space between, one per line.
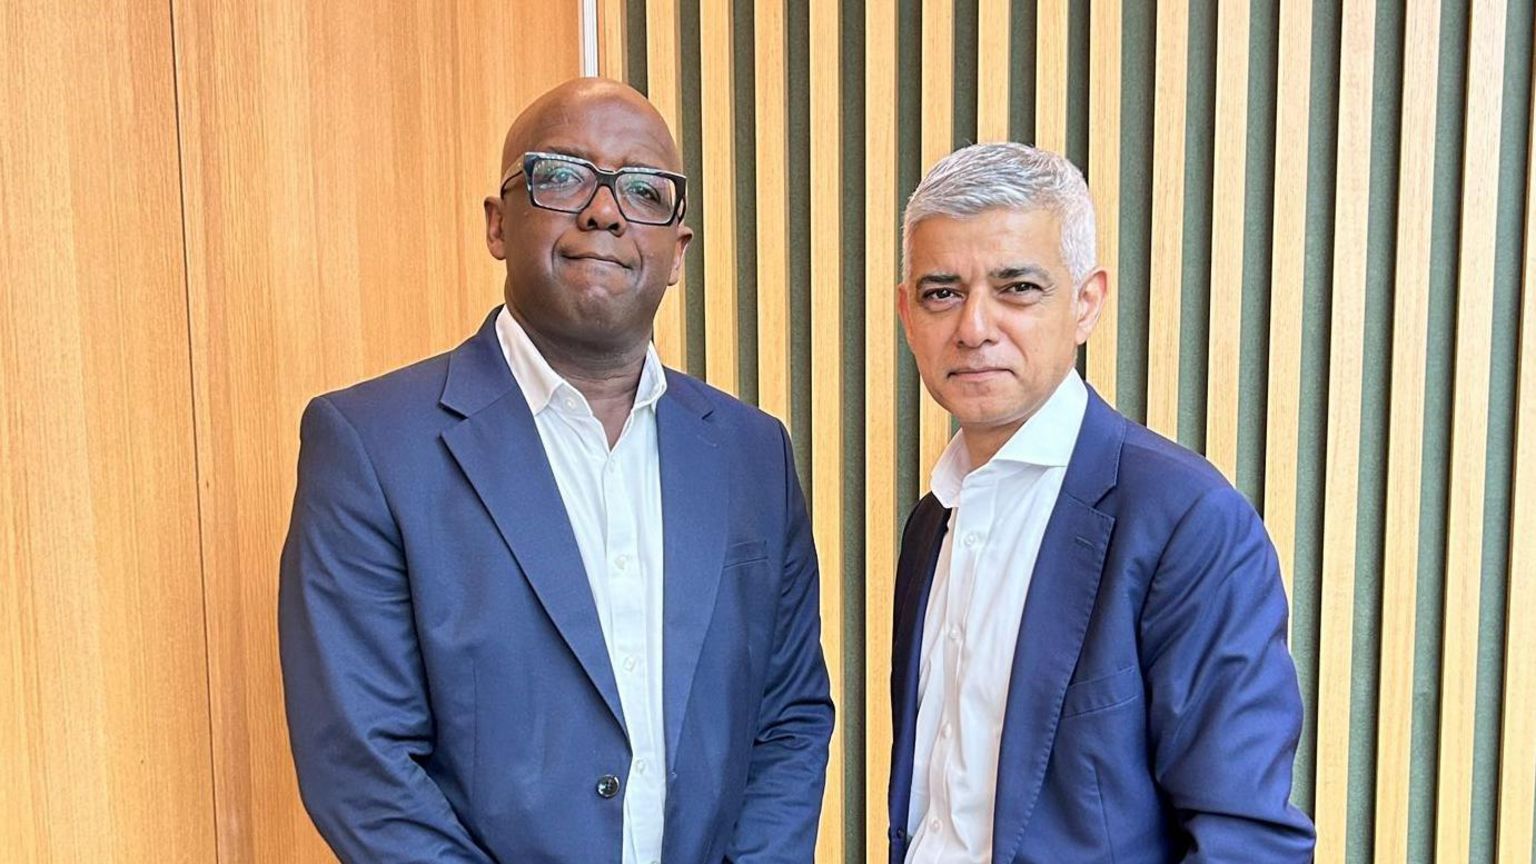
977, 373
593, 258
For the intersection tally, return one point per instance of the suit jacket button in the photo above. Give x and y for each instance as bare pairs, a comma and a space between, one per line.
607, 786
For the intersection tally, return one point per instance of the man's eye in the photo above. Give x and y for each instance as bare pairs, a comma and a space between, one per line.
938, 294
1020, 288
560, 177
643, 191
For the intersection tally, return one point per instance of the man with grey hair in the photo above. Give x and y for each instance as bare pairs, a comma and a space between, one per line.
1090, 660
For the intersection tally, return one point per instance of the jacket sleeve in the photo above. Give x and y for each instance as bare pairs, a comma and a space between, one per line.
788, 766
355, 689
1225, 709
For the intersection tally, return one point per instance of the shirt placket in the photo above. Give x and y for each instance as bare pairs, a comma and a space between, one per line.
630, 657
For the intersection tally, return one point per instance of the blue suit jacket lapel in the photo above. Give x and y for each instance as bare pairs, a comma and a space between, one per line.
694, 507
1062, 593
498, 447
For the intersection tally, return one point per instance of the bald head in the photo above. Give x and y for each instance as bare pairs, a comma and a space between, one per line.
582, 103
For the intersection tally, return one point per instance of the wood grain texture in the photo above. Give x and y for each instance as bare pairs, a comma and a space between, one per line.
1346, 362
334, 167
770, 47
1104, 21
611, 41
882, 512
1167, 264
1469, 430
1282, 421
719, 121
827, 380
938, 122
1405, 437
664, 87
1052, 47
103, 681
993, 59
1228, 212
1517, 751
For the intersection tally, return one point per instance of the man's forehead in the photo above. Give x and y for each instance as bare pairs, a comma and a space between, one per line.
608, 131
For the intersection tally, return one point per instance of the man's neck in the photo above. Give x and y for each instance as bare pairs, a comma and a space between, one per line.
608, 381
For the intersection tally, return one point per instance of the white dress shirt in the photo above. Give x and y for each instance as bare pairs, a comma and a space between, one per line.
613, 500
998, 514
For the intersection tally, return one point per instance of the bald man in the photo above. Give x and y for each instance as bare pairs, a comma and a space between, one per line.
544, 600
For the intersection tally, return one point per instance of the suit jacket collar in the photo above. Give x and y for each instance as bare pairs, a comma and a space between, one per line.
498, 447
1062, 594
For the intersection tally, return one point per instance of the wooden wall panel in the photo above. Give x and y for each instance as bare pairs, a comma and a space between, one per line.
1105, 26
769, 36
1228, 206
1517, 754
103, 687
1346, 362
334, 166
1293, 101
719, 188
663, 59
827, 379
882, 510
1405, 441
1469, 430
1167, 274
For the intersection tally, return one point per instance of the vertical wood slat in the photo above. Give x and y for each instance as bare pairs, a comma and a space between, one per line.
1517, 756
770, 46
1346, 360
1469, 429
718, 94
937, 141
612, 26
1167, 267
1051, 48
1293, 99
1405, 439
663, 35
1228, 208
880, 505
827, 378
1105, 29
992, 65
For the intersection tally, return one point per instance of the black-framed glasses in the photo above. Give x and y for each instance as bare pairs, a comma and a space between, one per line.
646, 196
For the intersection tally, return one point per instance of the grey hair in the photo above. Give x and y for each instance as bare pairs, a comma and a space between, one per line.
1009, 175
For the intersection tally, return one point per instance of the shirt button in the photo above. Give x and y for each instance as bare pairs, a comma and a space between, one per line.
621, 562
640, 765
935, 825
570, 404
629, 663
971, 539
954, 633
613, 467
949, 730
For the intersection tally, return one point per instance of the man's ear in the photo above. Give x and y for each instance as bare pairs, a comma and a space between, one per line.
495, 229
1090, 303
684, 235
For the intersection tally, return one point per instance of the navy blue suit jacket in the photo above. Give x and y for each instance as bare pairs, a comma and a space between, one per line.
449, 695
1153, 710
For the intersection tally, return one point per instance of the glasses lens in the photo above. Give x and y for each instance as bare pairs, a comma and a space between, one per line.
646, 197
560, 184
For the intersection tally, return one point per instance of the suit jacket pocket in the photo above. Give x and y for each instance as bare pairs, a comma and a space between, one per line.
1102, 693
745, 553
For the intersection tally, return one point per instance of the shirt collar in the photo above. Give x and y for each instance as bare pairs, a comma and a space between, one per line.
1046, 440
540, 382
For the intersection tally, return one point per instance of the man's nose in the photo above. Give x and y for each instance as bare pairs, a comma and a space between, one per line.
602, 213
975, 328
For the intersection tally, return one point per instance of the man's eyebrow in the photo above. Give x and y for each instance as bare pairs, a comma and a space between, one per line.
1016, 271
938, 278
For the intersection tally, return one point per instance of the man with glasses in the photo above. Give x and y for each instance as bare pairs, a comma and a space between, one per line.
543, 599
